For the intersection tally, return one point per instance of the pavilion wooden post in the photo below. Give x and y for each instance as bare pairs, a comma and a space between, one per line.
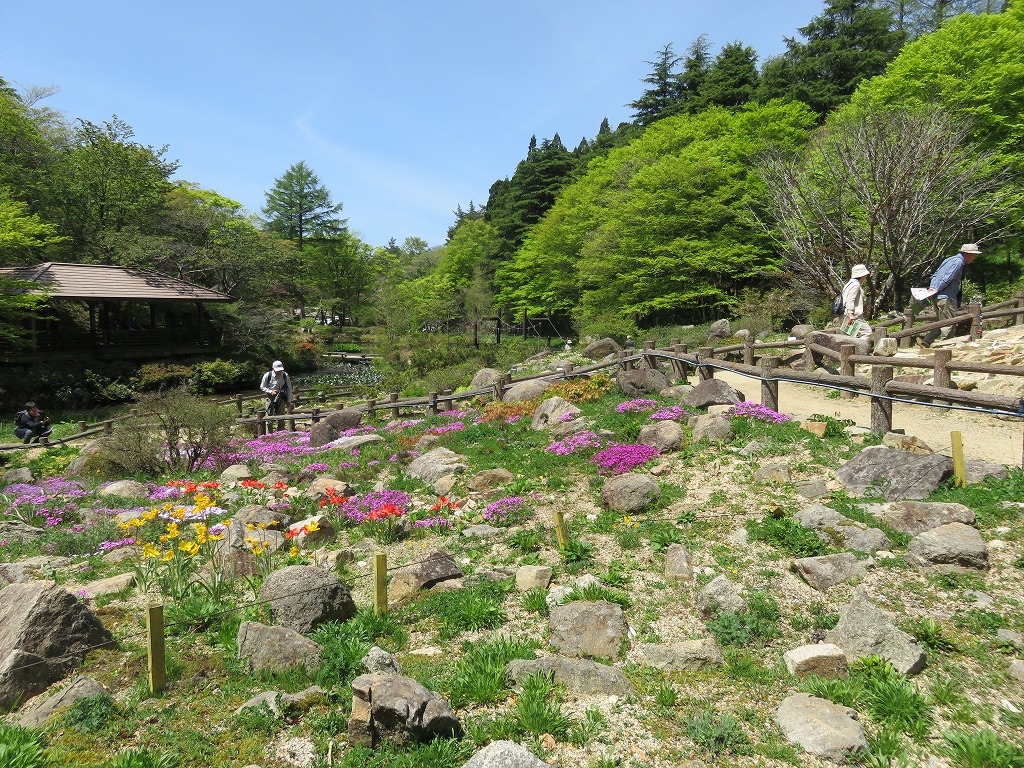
881, 406
769, 389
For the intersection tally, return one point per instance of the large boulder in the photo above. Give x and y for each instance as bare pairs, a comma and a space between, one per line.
916, 517
523, 391
629, 493
827, 571
36, 713
580, 676
44, 632
820, 727
720, 329
717, 429
346, 418
642, 381
437, 567
840, 531
720, 596
894, 474
398, 710
275, 649
554, 410
322, 433
127, 489
953, 547
597, 350
713, 392
302, 597
684, 656
485, 377
435, 464
665, 435
866, 630
593, 629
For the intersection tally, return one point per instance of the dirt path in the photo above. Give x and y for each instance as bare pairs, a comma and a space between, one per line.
985, 437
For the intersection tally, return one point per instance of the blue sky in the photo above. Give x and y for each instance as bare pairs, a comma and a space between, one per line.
403, 109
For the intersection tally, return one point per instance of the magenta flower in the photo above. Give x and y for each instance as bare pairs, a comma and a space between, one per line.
510, 510
671, 413
574, 443
636, 406
618, 459
758, 412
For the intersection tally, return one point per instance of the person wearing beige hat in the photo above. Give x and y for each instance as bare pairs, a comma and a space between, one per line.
946, 283
853, 321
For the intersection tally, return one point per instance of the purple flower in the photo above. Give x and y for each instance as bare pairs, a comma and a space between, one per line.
317, 467
620, 458
636, 406
756, 411
574, 443
507, 511
455, 426
672, 412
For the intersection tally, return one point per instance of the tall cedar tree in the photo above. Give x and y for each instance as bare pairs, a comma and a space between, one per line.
732, 79
665, 92
299, 205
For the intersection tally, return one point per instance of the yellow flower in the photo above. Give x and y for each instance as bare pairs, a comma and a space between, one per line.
126, 525
261, 526
227, 522
178, 513
168, 555
200, 529
151, 515
163, 539
173, 531
150, 550
168, 506
294, 551
250, 527
312, 525
190, 548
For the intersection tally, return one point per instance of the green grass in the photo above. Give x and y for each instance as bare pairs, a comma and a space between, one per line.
476, 607
479, 675
788, 536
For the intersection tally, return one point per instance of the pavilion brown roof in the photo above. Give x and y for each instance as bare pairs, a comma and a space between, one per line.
98, 282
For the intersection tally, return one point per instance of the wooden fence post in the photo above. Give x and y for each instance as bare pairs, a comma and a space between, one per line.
974, 308
238, 404
748, 350
155, 648
393, 398
684, 369
769, 389
808, 354
649, 362
314, 416
432, 404
81, 426
380, 583
881, 407
705, 372
499, 389
846, 367
908, 323
940, 372
446, 402
1018, 319
371, 409
561, 532
959, 470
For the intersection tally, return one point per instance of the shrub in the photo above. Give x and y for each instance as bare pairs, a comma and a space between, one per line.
90, 713
716, 731
214, 376
759, 624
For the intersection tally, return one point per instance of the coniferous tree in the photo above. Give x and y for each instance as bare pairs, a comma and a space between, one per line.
732, 79
695, 70
298, 205
665, 92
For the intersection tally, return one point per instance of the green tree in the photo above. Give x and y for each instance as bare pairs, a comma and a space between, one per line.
22, 233
24, 152
732, 79
341, 273
920, 17
696, 66
298, 206
665, 92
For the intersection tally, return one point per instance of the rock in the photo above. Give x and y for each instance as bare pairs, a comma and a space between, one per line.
485, 377
524, 391
583, 628
597, 350
344, 419
894, 474
331, 559
665, 435
46, 626
322, 433
816, 428
773, 473
323, 484
260, 517
35, 714
811, 489
712, 392
976, 471
17, 531
481, 531
951, 547
398, 710
19, 476
799, 331
552, 411
684, 656
490, 479
312, 532
533, 577
719, 330
436, 567
629, 493
916, 517
111, 585
557, 596
279, 703
821, 659
1010, 637
1016, 670
820, 727
886, 346
827, 571
39, 567
717, 429
720, 596
505, 754
435, 464
840, 531
834, 341
128, 489
678, 391
678, 567
302, 597
354, 442
866, 630
275, 648
581, 676
903, 442
236, 473
641, 381
377, 660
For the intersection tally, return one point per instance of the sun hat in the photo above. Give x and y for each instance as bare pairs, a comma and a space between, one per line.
859, 270
970, 248
278, 365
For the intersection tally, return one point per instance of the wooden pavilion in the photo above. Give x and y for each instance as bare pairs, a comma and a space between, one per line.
109, 312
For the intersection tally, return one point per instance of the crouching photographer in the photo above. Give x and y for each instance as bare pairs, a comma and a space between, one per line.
32, 424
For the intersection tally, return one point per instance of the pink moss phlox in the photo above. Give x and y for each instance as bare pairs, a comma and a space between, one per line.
636, 406
574, 443
618, 458
757, 411
507, 511
672, 412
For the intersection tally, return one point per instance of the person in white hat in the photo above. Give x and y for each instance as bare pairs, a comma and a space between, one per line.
278, 388
853, 302
946, 283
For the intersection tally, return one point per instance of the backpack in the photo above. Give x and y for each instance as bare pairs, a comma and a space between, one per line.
838, 305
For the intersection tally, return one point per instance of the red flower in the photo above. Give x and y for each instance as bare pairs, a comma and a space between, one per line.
279, 486
387, 510
253, 484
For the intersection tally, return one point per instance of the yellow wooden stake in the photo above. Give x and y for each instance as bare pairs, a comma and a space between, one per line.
561, 532
959, 470
155, 648
380, 583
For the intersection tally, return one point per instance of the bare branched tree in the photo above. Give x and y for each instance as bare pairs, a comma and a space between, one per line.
893, 189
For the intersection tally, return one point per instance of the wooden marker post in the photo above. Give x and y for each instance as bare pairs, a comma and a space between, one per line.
561, 532
959, 469
380, 583
155, 648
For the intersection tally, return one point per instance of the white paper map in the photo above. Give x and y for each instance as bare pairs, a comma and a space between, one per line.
920, 294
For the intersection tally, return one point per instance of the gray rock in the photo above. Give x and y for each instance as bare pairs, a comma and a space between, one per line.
378, 660
580, 676
260, 517
236, 473
820, 727
834, 341
949, 548
642, 381
751, 449
774, 473
916, 517
717, 429
678, 567
435, 464
552, 411
801, 330
436, 567
523, 391
1010, 637
354, 442
557, 596
279, 703
684, 656
30, 569
480, 531
821, 659
720, 596
17, 531
302, 597
840, 531
894, 474
35, 714
665, 435
629, 493
678, 391
719, 329
1016, 670
41, 622
533, 577
398, 710
19, 476
505, 754
275, 648
886, 346
485, 377
346, 418
713, 392
827, 571
811, 489
322, 433
582, 628
866, 630
596, 350
128, 489
976, 471
902, 442
490, 479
